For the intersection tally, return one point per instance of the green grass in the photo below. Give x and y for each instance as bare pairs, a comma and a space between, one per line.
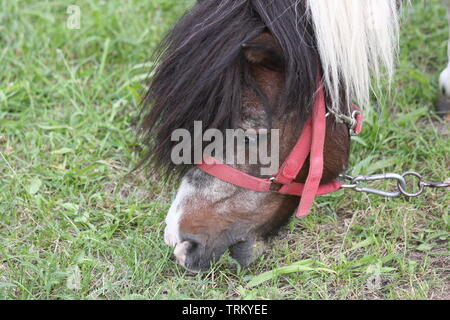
71, 226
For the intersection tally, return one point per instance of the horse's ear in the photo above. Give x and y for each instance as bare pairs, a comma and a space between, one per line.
265, 52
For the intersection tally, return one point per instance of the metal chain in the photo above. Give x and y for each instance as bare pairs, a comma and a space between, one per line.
402, 188
401, 184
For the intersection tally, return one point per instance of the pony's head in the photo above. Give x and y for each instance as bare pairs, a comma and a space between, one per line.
241, 64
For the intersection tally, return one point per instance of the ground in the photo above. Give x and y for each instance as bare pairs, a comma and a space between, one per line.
74, 225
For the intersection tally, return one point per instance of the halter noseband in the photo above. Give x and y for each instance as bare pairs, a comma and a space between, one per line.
311, 143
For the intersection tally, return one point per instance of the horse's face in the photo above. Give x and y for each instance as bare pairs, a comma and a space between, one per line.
209, 216
233, 63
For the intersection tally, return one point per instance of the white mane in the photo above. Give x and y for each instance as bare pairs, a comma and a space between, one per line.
357, 39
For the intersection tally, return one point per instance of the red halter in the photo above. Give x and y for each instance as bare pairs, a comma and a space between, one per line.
311, 142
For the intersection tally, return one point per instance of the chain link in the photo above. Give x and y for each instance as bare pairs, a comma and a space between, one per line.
402, 189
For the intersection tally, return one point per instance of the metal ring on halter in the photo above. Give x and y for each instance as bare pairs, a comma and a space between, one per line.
354, 122
275, 187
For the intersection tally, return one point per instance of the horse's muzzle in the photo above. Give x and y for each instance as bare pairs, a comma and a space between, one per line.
194, 255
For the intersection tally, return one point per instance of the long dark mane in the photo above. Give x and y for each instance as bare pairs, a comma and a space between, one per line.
201, 71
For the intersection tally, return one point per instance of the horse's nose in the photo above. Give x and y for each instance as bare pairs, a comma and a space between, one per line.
190, 253
181, 252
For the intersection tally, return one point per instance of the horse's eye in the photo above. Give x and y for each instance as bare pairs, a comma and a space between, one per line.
265, 52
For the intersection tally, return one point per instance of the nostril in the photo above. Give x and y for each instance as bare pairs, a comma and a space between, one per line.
193, 242
190, 247
190, 252
193, 246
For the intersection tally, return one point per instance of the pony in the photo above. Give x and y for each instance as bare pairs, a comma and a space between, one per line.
443, 108
256, 65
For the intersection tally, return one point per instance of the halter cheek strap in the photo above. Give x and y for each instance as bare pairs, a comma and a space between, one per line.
316, 146
311, 143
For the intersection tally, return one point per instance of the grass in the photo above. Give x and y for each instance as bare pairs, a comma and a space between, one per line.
71, 226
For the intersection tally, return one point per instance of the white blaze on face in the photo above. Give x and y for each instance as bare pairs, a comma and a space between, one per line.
171, 233
176, 211
212, 195
215, 191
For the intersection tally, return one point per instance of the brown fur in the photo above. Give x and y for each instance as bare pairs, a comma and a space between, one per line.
207, 220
